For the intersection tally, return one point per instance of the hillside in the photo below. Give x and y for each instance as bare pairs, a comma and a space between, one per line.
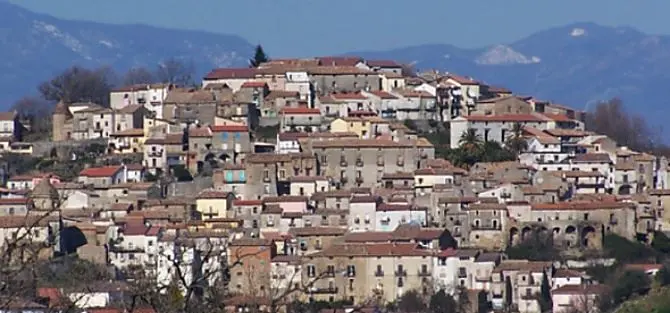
36, 46
576, 64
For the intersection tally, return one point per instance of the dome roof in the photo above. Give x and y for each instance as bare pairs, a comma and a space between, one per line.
44, 189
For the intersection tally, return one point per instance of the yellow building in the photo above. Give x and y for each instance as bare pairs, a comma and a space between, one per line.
357, 125
127, 141
212, 204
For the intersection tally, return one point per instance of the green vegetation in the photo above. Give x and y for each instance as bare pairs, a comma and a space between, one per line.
626, 251
267, 133
537, 247
472, 148
259, 57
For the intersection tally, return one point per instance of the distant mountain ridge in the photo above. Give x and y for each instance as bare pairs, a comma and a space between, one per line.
576, 65
35, 47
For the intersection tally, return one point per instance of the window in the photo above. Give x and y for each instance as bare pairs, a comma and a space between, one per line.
311, 271
351, 270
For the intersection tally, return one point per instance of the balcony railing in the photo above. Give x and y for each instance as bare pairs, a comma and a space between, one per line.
486, 227
423, 273
379, 273
332, 289
400, 273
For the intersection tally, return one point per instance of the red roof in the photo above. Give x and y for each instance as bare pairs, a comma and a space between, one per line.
382, 63
348, 96
505, 118
339, 61
231, 73
644, 267
105, 171
383, 94
247, 202
463, 80
300, 110
558, 117
229, 128
14, 201
254, 84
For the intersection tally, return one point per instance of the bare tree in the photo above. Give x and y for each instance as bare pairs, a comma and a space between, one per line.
584, 303
36, 112
610, 118
77, 84
175, 71
138, 75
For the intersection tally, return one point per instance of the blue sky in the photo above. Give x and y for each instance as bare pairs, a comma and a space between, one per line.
318, 27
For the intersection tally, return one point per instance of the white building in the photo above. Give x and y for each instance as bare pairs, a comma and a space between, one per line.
151, 96
496, 128
389, 216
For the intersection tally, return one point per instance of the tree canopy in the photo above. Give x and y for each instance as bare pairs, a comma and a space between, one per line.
259, 57
610, 118
78, 84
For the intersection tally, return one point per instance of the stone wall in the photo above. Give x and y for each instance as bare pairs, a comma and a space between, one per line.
189, 188
63, 148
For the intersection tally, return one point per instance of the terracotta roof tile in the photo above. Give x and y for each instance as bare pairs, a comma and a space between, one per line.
105, 171
511, 118
229, 128
231, 73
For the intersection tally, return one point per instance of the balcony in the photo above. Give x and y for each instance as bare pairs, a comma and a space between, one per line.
359, 163
423, 273
331, 289
343, 180
462, 274
344, 163
400, 273
267, 179
379, 273
157, 153
359, 179
614, 221
329, 274
486, 227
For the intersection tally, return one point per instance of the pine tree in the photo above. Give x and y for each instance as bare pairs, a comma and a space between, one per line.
508, 292
259, 57
545, 293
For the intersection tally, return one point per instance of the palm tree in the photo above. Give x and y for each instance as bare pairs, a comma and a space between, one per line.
516, 141
470, 140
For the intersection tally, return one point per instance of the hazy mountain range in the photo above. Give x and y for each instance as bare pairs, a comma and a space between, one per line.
576, 65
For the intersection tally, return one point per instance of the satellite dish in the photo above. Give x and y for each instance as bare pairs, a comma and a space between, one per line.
472, 94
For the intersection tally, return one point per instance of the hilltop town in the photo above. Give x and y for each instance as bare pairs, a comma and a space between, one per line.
327, 184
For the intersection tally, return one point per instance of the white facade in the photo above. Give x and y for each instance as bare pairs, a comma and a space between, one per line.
388, 217
150, 96
493, 128
299, 82
287, 146
362, 216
